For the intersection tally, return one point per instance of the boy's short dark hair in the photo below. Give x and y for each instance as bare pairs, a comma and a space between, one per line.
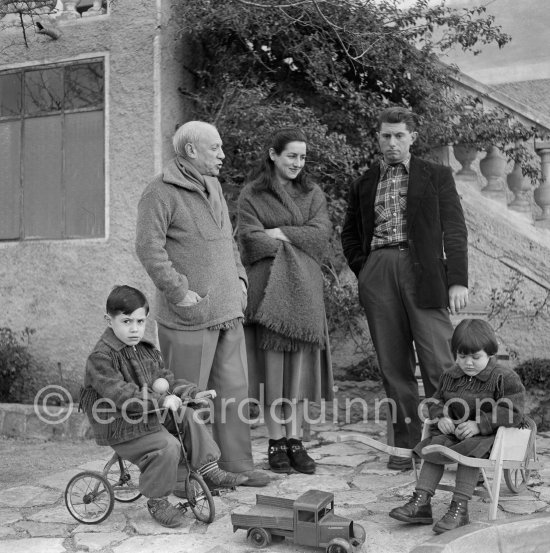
472, 335
398, 115
125, 299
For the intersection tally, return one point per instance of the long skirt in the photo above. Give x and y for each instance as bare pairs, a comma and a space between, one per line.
291, 375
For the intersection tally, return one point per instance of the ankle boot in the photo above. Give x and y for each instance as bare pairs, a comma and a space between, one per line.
455, 517
277, 456
418, 510
298, 457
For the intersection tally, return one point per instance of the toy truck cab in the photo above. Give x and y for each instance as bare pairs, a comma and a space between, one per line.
315, 524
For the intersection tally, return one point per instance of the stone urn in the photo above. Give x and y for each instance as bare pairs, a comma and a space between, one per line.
521, 187
466, 155
493, 167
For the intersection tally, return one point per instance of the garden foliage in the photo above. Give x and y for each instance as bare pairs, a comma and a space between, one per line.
328, 66
15, 363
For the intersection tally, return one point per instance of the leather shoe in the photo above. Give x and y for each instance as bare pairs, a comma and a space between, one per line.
418, 510
399, 463
455, 517
222, 479
255, 478
298, 457
277, 456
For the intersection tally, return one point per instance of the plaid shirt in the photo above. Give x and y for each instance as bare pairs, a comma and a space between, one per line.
390, 206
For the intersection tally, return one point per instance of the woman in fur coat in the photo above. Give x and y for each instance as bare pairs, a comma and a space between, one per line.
284, 231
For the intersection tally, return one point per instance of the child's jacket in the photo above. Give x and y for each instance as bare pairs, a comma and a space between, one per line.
495, 397
117, 394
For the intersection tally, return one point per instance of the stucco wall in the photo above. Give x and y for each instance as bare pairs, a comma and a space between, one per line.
59, 288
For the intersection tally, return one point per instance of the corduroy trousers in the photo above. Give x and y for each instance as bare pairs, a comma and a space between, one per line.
387, 294
216, 359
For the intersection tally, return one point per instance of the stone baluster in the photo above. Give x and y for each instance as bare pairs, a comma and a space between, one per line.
69, 9
542, 192
492, 167
466, 155
96, 9
521, 187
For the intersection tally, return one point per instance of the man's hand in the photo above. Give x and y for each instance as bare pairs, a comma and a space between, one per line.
172, 402
466, 429
446, 425
276, 233
458, 298
191, 298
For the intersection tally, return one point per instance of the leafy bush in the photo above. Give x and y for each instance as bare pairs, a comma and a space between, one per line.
534, 373
15, 361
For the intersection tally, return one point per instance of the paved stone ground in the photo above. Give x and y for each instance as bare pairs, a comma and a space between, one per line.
34, 519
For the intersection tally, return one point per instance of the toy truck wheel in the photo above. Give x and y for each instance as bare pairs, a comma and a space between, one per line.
259, 537
338, 545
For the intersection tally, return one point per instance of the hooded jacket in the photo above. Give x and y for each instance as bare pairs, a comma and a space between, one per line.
185, 242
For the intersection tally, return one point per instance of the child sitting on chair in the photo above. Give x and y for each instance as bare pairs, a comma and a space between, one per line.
473, 399
119, 401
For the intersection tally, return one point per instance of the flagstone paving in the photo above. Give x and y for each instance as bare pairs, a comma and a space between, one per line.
34, 519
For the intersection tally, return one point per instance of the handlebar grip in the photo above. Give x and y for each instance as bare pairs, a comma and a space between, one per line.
207, 394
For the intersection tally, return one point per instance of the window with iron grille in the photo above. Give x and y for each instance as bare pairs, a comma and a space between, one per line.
52, 142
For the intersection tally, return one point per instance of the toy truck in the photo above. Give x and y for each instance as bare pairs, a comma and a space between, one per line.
307, 520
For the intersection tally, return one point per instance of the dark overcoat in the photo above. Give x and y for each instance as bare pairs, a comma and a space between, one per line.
436, 230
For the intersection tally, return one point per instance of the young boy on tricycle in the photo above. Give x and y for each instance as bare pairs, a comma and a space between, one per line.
126, 412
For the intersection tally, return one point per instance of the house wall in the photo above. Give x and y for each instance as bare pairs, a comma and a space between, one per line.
58, 288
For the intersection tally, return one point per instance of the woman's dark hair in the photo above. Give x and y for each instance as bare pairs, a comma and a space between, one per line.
263, 174
472, 335
125, 299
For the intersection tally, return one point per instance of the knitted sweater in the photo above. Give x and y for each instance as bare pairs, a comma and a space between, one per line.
117, 393
184, 243
285, 292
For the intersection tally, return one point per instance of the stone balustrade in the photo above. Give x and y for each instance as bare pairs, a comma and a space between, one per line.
504, 182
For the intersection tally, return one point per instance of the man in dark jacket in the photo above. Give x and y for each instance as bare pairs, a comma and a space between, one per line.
405, 238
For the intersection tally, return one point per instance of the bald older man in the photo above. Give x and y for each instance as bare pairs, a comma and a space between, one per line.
185, 242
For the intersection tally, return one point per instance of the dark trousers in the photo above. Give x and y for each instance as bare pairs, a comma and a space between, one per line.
386, 292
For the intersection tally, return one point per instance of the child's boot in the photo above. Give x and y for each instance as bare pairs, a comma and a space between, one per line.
455, 517
418, 510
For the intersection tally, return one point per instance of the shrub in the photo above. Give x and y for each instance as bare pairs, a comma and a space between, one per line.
534, 373
15, 360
